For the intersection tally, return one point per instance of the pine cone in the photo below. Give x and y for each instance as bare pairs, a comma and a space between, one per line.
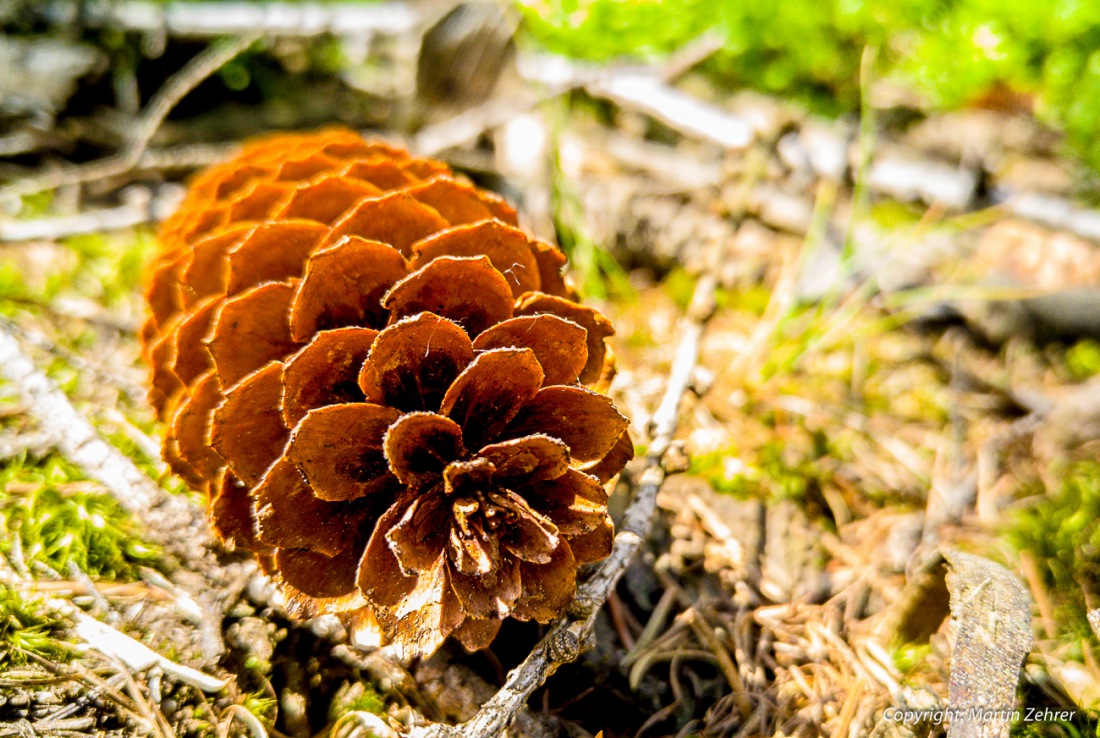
387, 390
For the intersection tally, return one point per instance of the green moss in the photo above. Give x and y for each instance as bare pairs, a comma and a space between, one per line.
262, 705
57, 521
952, 53
151, 466
36, 205
369, 701
109, 267
1084, 724
356, 697
1083, 360
753, 299
911, 656
106, 269
891, 214
26, 627
258, 665
13, 286
772, 471
640, 338
604, 29
680, 286
1060, 533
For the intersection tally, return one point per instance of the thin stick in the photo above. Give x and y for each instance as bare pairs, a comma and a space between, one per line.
570, 635
199, 68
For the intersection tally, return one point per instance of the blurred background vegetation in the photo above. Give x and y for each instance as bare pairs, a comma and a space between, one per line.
931, 55
1043, 57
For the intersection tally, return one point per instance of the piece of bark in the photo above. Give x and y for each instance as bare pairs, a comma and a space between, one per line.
992, 613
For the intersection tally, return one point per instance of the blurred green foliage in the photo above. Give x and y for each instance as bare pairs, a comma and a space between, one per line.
103, 268
953, 52
1083, 360
774, 471
1060, 533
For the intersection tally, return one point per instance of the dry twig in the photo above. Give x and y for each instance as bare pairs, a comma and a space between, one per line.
200, 67
166, 515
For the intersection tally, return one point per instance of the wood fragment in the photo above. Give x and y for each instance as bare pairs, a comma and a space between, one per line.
992, 611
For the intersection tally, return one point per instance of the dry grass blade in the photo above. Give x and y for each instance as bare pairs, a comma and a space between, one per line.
239, 714
361, 724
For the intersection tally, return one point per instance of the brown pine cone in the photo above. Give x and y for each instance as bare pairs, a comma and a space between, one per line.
387, 390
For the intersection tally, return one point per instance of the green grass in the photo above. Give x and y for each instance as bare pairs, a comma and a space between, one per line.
595, 270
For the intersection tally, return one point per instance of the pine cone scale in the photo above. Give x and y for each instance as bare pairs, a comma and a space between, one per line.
272, 254
490, 392
420, 445
250, 330
343, 285
414, 361
247, 428
325, 372
560, 345
464, 289
339, 450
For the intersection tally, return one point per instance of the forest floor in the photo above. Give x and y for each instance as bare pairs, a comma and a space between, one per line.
901, 368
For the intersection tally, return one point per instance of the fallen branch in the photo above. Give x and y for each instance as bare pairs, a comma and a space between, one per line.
200, 67
206, 19
173, 521
571, 634
141, 208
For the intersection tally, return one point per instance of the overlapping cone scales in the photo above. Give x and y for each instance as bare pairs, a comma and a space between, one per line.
386, 389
